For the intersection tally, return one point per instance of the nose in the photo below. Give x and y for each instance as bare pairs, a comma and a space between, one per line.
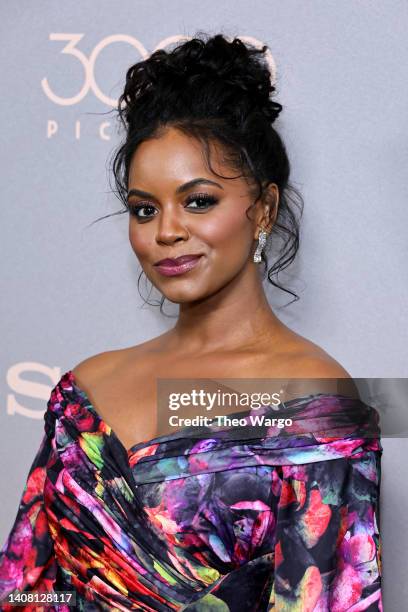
170, 228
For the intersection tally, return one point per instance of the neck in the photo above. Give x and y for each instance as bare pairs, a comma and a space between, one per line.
238, 316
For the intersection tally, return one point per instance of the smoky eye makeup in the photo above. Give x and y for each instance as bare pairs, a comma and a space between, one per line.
195, 202
203, 201
135, 210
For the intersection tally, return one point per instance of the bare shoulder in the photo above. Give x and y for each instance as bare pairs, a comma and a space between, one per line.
313, 370
306, 359
99, 366
113, 365
321, 374
96, 366
320, 366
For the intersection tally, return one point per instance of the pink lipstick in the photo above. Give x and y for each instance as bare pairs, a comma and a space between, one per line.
179, 265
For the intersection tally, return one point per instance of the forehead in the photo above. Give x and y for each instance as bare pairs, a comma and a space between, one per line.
173, 155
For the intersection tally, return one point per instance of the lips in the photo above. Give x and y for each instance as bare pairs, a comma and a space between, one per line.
178, 266
177, 261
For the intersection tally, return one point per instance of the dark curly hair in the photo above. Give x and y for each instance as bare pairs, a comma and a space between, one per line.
215, 90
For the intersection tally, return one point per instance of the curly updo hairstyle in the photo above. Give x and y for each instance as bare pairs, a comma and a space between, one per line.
214, 90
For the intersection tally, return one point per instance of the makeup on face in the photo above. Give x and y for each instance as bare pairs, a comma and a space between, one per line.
188, 222
194, 202
180, 265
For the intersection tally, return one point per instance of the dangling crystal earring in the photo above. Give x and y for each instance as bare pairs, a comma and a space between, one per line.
261, 243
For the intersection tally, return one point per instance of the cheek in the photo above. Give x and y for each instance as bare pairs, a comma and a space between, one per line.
230, 233
140, 241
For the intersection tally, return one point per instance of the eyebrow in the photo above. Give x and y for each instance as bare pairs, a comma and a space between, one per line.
181, 189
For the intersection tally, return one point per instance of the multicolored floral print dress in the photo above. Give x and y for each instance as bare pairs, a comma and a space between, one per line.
286, 521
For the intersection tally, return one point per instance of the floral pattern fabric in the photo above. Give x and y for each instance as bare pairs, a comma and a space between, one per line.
287, 520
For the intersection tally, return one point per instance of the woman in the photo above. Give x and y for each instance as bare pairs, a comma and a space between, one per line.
203, 519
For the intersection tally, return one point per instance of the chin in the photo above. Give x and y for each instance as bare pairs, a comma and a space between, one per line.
184, 298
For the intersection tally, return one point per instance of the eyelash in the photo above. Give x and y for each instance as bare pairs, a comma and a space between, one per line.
204, 197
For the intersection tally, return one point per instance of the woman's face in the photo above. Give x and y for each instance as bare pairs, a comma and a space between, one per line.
179, 207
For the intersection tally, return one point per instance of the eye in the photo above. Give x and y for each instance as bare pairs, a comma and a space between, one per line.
199, 202
203, 201
136, 209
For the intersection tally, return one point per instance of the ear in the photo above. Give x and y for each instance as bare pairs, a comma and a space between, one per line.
267, 209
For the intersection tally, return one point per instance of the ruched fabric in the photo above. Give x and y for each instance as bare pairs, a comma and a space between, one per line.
284, 519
